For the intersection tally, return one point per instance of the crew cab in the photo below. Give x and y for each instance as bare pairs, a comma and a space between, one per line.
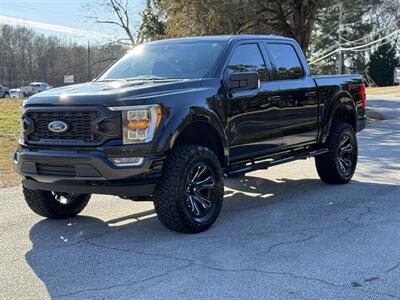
169, 120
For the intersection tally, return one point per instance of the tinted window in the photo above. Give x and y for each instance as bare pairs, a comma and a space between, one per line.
248, 58
286, 61
163, 61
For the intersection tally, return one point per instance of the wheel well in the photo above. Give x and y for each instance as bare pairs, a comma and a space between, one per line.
202, 134
345, 114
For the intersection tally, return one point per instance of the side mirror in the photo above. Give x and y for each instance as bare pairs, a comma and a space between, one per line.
243, 81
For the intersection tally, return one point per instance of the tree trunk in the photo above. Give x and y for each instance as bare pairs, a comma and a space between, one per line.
304, 12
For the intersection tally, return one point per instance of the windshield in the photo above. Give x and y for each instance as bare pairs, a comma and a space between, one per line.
166, 61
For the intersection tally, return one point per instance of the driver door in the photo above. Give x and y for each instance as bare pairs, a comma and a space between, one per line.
253, 117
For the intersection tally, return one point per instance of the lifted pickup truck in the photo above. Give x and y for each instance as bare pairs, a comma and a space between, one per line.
168, 120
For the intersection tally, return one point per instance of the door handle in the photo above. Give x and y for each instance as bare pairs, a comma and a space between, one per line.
310, 94
274, 98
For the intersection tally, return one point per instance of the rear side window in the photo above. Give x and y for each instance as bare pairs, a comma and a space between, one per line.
248, 58
286, 61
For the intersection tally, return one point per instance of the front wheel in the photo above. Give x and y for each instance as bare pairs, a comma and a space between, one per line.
190, 194
339, 164
55, 205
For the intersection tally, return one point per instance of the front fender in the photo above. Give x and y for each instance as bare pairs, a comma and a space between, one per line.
182, 118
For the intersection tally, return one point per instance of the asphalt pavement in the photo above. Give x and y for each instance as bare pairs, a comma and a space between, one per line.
282, 234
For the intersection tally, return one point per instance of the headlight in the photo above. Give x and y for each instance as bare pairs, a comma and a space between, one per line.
22, 126
139, 123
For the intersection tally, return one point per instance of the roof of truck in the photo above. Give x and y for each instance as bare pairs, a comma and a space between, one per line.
222, 38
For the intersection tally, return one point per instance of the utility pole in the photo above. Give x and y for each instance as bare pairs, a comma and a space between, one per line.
340, 53
89, 61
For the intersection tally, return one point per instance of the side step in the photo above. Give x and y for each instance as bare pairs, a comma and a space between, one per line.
253, 164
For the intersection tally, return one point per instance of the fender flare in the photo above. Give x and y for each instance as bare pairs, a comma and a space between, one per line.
342, 100
183, 119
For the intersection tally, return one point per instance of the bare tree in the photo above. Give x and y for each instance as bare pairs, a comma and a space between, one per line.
117, 13
27, 56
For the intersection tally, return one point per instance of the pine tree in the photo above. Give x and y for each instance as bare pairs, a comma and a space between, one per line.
356, 23
382, 63
152, 27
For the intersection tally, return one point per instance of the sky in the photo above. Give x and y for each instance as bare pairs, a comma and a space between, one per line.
65, 18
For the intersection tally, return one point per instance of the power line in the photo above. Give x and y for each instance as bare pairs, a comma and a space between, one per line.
394, 22
52, 27
43, 10
370, 48
355, 47
357, 41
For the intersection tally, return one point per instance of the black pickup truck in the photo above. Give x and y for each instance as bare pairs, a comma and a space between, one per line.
171, 118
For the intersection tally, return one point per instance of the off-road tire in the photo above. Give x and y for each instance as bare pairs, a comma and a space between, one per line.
44, 204
170, 199
328, 165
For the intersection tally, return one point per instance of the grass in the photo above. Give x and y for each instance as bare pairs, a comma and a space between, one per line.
383, 90
9, 132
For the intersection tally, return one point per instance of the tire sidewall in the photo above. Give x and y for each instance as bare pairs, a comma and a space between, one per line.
346, 130
45, 204
217, 194
74, 201
170, 198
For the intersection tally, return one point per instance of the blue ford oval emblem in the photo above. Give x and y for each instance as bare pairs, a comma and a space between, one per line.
58, 126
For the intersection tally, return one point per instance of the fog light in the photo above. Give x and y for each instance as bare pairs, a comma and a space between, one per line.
127, 161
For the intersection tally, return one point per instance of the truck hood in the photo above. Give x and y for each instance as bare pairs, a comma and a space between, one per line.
114, 93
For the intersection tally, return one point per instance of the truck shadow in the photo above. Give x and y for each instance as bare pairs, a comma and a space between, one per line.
85, 255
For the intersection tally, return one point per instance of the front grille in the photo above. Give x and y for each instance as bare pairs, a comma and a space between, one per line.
55, 170
79, 122
86, 127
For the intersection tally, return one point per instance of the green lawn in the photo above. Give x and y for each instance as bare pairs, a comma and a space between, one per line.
383, 90
9, 132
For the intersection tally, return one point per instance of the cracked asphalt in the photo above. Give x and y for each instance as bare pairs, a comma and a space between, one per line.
282, 234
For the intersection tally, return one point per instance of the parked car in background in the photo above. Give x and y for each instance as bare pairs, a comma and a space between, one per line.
40, 86
16, 93
34, 88
4, 92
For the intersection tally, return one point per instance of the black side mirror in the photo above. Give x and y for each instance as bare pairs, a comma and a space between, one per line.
243, 81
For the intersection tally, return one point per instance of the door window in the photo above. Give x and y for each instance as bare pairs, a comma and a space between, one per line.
248, 58
286, 61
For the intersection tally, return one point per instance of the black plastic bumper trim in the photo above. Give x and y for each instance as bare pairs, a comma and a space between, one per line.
132, 190
87, 166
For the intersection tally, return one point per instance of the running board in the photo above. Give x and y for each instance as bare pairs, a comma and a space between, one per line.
270, 162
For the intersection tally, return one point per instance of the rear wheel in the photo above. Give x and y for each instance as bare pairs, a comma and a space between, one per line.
190, 194
55, 205
6, 95
339, 164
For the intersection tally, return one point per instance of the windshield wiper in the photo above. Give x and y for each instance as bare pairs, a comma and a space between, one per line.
111, 79
141, 79
154, 78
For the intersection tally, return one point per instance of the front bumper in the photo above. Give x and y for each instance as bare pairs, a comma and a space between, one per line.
137, 190
86, 173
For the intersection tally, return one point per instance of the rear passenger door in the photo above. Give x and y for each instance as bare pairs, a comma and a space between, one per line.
253, 116
298, 92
